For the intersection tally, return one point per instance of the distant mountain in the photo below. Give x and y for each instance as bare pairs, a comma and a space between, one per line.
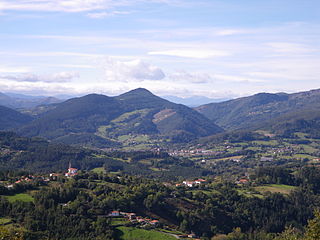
18, 101
130, 117
261, 109
194, 101
10, 118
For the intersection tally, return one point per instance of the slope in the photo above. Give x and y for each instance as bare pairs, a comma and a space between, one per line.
10, 118
259, 109
125, 118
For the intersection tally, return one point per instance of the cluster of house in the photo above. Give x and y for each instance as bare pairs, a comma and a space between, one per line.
192, 183
196, 152
133, 218
283, 150
242, 181
27, 179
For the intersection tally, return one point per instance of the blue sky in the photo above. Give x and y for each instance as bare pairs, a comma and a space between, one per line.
213, 48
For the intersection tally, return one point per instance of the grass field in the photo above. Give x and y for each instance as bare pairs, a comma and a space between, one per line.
130, 233
24, 197
303, 156
275, 188
207, 192
267, 143
309, 149
4, 221
227, 158
99, 170
246, 193
119, 221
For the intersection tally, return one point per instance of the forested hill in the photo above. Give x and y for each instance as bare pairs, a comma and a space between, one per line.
261, 109
306, 121
105, 121
10, 118
36, 155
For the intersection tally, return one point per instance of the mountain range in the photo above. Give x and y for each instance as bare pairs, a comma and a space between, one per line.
104, 120
140, 118
263, 110
17, 101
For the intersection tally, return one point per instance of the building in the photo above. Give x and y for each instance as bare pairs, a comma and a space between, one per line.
114, 214
189, 184
242, 181
71, 171
154, 222
199, 181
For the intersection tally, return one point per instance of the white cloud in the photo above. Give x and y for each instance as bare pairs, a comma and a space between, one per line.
30, 77
237, 78
81, 66
135, 70
101, 15
36, 88
52, 54
184, 76
288, 47
228, 32
69, 5
56, 5
191, 53
8, 69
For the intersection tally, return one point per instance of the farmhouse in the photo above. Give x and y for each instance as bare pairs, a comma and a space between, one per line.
71, 171
188, 183
114, 214
199, 181
193, 183
242, 181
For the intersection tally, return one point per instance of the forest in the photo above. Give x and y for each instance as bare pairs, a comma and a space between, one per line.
78, 207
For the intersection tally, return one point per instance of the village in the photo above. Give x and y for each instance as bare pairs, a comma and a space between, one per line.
131, 219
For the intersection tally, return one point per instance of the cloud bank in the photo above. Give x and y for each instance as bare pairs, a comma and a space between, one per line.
136, 70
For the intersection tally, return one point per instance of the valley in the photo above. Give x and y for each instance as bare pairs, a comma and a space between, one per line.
178, 172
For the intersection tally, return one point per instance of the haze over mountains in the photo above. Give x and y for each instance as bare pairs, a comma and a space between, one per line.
23, 101
139, 116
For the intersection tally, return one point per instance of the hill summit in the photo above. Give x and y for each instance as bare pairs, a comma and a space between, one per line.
131, 118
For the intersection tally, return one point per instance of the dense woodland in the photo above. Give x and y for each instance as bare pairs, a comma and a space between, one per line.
77, 208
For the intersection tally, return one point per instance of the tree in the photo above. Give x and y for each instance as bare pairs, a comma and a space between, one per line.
289, 233
313, 228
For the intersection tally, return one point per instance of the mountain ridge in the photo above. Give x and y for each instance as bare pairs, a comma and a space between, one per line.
256, 110
132, 115
16, 101
10, 118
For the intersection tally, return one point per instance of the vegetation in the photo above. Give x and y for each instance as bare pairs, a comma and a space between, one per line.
78, 207
259, 184
101, 121
20, 197
130, 233
10, 118
282, 113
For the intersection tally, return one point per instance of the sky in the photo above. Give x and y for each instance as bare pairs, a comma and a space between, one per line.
185, 48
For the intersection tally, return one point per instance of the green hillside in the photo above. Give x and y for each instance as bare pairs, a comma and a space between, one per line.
104, 122
261, 109
10, 118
